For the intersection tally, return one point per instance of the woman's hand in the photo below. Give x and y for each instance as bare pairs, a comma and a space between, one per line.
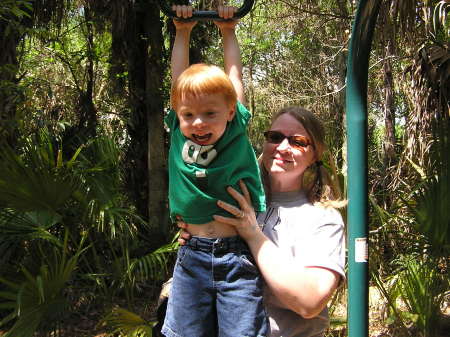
245, 217
185, 236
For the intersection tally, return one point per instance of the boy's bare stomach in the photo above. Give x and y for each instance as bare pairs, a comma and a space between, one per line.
212, 229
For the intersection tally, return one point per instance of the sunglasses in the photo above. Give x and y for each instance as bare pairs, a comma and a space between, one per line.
276, 137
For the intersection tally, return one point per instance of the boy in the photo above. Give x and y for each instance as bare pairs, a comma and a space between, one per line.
216, 289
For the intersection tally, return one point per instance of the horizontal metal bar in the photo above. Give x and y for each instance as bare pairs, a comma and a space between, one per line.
206, 15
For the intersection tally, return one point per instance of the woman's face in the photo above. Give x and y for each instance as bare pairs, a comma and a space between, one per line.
285, 160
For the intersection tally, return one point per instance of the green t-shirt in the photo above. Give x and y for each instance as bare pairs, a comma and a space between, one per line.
199, 175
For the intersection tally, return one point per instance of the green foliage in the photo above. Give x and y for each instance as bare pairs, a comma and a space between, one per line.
15, 8
38, 302
154, 265
432, 214
430, 206
101, 195
440, 28
37, 180
419, 279
16, 226
56, 66
32, 221
394, 313
126, 272
420, 287
127, 324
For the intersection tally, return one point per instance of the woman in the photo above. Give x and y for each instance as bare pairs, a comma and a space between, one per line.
298, 243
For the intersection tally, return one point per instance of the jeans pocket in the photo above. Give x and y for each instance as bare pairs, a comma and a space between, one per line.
183, 253
247, 262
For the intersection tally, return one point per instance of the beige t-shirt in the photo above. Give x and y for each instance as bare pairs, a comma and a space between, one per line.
310, 236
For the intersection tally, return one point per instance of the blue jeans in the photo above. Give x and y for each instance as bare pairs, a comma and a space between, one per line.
216, 291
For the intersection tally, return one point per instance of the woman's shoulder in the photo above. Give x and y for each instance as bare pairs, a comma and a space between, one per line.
297, 207
319, 215
329, 215
328, 212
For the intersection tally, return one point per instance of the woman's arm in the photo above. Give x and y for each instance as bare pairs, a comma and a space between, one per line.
304, 290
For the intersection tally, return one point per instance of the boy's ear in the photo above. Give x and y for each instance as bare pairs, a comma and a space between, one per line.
231, 113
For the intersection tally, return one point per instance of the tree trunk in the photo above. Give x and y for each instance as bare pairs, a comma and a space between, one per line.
389, 106
338, 105
387, 43
157, 158
339, 120
146, 155
87, 112
136, 45
9, 93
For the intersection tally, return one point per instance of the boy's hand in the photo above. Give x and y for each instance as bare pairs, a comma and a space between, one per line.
184, 12
226, 12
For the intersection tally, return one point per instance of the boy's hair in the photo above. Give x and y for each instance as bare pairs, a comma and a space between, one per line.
202, 79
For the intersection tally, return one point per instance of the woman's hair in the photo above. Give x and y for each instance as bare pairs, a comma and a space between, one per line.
321, 184
202, 79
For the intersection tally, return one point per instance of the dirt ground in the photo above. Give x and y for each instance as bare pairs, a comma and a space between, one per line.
87, 326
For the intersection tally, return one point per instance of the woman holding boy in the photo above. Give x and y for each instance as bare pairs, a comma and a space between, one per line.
298, 242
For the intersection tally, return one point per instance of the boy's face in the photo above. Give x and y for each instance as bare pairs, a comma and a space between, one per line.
203, 119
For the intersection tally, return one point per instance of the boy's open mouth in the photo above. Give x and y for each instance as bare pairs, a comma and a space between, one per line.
201, 139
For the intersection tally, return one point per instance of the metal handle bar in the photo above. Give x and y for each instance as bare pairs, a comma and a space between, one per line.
206, 15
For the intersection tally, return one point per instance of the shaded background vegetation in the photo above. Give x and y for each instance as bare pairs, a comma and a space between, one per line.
84, 224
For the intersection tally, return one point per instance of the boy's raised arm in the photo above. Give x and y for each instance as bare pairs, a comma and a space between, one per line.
180, 51
231, 50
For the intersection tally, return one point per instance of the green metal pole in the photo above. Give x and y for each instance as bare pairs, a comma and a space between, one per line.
356, 106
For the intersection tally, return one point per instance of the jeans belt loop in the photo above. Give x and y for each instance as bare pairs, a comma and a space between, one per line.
196, 245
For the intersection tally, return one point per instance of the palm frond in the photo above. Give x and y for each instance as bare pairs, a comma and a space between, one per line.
390, 293
429, 205
154, 264
432, 213
14, 8
38, 302
113, 220
422, 289
127, 323
35, 179
28, 225
102, 197
440, 24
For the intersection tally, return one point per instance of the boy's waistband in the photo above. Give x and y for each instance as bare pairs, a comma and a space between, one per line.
217, 245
